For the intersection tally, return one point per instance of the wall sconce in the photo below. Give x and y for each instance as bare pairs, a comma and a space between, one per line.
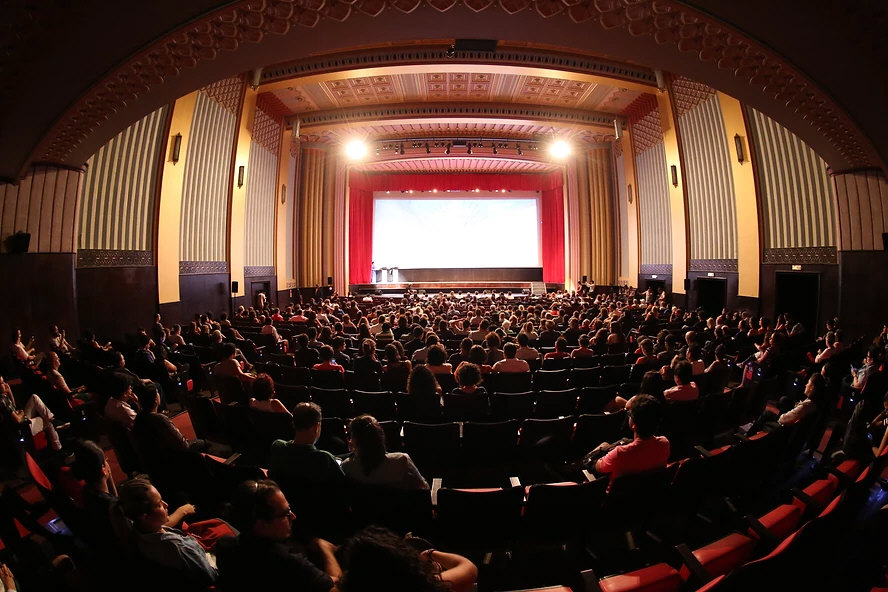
177, 147
629, 192
284, 193
240, 176
674, 171
738, 145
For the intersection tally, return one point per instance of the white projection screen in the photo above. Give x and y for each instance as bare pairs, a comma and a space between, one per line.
456, 230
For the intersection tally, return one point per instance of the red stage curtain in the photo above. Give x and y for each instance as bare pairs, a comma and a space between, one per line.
552, 235
360, 235
362, 186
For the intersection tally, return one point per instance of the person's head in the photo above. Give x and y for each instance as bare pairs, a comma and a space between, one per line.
644, 415
523, 339
695, 352
510, 350
54, 362
368, 348
873, 355
141, 502
720, 352
422, 382
465, 346
89, 462
468, 375
367, 440
493, 341
228, 350
149, 399
306, 423
391, 354
338, 344
263, 387
561, 345
436, 355
326, 353
651, 383
261, 509
120, 387
684, 372
376, 555
815, 387
647, 347
477, 355
584, 341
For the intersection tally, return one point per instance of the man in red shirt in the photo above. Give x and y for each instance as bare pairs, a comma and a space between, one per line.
646, 452
327, 363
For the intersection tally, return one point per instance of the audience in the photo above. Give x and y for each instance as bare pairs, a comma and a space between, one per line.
372, 465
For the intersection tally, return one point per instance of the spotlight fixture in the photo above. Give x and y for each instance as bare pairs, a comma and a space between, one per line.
673, 170
738, 145
518, 148
428, 150
240, 176
177, 147
559, 149
468, 148
356, 149
447, 149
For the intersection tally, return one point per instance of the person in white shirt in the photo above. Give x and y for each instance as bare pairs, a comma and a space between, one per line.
510, 363
268, 329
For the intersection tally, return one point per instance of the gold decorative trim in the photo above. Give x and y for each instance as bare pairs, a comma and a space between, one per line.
202, 267
114, 258
801, 255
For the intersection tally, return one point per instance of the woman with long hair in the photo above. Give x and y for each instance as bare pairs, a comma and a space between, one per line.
372, 465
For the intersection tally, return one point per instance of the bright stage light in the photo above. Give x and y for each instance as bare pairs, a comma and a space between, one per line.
356, 149
559, 149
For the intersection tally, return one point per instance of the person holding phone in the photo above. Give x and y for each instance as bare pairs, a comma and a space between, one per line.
870, 365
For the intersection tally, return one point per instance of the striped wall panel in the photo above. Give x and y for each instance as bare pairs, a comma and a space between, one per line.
796, 192
601, 217
712, 211
260, 206
862, 199
655, 224
117, 196
44, 203
309, 217
205, 194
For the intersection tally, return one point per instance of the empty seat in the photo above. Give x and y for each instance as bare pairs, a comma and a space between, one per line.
485, 442
293, 375
379, 404
592, 430
327, 379
594, 399
480, 519
545, 439
661, 577
551, 380
333, 402
505, 406
509, 382
552, 404
615, 374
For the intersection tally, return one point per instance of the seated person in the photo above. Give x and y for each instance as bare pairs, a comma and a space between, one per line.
58, 342
814, 392
436, 360
647, 359
230, 367
478, 357
718, 370
371, 464
511, 363
525, 352
142, 520
327, 363
58, 382
560, 350
264, 551
99, 495
469, 400
494, 353
685, 389
342, 358
298, 460
420, 355
25, 354
122, 405
694, 355
465, 346
269, 329
156, 436
34, 411
304, 356
366, 363
263, 396
375, 559
646, 452
584, 351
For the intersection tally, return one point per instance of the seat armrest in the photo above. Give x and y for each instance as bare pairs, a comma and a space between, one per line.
590, 581
844, 480
741, 437
233, 458
763, 533
703, 452
437, 483
698, 572
810, 502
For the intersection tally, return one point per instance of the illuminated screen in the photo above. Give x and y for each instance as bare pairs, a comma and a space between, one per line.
457, 231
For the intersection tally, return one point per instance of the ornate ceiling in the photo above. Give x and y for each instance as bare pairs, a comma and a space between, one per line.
73, 75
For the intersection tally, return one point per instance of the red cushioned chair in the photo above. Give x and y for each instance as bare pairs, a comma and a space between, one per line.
656, 578
717, 558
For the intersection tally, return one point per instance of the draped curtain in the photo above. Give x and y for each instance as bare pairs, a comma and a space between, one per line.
362, 186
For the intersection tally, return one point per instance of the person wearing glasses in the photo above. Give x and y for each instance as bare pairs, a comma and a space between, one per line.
264, 555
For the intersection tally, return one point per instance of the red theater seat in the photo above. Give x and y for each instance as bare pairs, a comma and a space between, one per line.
656, 578
723, 556
781, 522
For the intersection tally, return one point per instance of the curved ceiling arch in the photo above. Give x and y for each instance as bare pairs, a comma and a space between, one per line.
73, 91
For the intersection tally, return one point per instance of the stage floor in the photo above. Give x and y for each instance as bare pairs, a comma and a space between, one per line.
516, 287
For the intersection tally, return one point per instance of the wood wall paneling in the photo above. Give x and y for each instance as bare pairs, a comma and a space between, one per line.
114, 301
43, 204
862, 204
202, 293
39, 289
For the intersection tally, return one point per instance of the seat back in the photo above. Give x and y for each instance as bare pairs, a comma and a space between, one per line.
490, 441
479, 519
229, 389
334, 402
552, 404
466, 407
504, 406
509, 382
551, 380
293, 375
592, 430
545, 439
594, 399
327, 379
583, 377
379, 404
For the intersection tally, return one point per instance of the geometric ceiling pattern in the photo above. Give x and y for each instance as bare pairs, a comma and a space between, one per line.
488, 87
456, 164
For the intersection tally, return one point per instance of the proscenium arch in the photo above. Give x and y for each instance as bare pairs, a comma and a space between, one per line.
82, 90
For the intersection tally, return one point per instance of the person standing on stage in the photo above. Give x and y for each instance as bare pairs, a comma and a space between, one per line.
372, 272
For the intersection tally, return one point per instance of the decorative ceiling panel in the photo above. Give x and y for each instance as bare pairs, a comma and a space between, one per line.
456, 164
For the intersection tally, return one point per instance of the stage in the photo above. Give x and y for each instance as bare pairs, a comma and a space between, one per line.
398, 289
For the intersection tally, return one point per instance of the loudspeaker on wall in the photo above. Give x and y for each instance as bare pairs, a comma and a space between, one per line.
687, 284
234, 286
329, 280
885, 241
18, 243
